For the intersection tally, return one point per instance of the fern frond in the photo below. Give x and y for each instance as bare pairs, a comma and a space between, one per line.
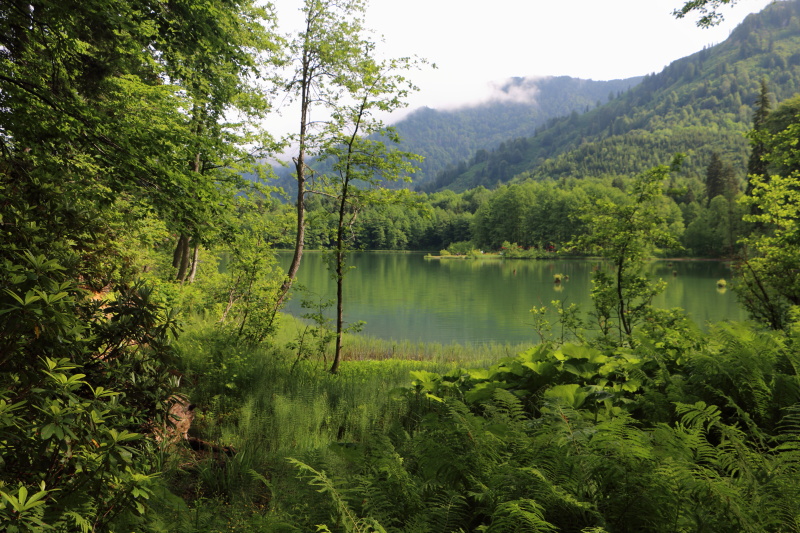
445, 512
79, 521
519, 516
509, 405
349, 520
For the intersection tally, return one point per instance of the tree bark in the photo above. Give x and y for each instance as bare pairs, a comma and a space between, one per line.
337, 354
176, 256
300, 170
195, 254
183, 266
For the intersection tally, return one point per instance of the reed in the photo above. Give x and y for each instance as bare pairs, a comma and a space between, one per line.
360, 347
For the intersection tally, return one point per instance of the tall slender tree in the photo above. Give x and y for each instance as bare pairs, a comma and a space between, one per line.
362, 161
720, 179
322, 56
626, 235
756, 164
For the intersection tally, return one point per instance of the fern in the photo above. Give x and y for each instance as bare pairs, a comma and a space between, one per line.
509, 406
349, 520
522, 516
740, 371
79, 521
388, 490
445, 512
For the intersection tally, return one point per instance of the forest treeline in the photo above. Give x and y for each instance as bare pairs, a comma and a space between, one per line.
545, 215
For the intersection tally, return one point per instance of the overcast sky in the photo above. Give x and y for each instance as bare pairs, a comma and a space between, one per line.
478, 43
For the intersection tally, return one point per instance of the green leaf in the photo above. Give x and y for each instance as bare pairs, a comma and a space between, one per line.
48, 431
571, 394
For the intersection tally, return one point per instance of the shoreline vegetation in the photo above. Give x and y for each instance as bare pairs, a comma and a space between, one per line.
361, 347
556, 256
403, 406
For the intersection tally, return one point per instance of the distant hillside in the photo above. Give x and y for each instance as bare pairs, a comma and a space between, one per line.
696, 105
517, 109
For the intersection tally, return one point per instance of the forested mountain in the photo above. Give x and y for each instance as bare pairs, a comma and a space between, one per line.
518, 107
697, 105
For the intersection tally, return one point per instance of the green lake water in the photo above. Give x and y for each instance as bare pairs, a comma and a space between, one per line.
403, 296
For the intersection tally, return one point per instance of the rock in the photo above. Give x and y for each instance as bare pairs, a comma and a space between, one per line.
179, 420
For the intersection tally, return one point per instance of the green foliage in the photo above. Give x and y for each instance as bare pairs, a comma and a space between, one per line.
115, 133
459, 248
79, 391
708, 9
715, 231
350, 522
768, 283
627, 234
569, 439
514, 251
538, 217
252, 274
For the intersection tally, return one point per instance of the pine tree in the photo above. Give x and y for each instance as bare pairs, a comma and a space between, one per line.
756, 165
720, 179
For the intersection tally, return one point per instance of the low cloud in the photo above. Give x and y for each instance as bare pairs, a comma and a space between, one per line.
515, 90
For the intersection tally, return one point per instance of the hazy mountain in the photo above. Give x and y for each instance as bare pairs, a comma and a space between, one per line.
696, 105
516, 109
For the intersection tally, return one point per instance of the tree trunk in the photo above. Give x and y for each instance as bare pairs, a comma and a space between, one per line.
176, 256
337, 354
299, 242
183, 266
623, 312
300, 169
195, 254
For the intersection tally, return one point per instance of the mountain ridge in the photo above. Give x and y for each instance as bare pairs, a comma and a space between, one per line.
697, 105
518, 107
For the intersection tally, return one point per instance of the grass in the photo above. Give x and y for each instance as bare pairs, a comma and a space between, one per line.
357, 347
285, 402
269, 404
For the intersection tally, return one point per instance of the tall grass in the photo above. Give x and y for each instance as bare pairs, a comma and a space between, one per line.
359, 347
268, 404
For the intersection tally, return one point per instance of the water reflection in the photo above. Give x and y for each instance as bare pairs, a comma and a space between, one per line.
405, 296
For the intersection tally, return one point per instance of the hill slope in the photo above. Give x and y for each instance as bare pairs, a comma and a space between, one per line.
696, 105
517, 109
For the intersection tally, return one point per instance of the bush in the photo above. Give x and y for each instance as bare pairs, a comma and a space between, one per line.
460, 248
82, 383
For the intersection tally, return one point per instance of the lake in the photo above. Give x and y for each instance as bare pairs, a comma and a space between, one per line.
403, 296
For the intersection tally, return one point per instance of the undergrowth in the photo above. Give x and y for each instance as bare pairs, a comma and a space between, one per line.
683, 432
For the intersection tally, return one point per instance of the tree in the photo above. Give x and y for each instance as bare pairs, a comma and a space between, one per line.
321, 57
111, 112
626, 234
755, 164
769, 284
720, 179
215, 67
361, 159
710, 16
